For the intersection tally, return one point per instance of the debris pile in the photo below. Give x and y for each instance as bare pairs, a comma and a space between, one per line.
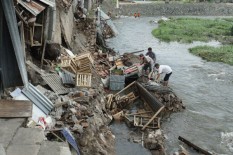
167, 97
81, 110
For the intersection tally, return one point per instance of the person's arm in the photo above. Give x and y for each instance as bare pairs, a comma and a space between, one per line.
154, 57
142, 62
157, 78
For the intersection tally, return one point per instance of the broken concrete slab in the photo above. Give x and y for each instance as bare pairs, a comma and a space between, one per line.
8, 129
54, 148
17, 149
28, 136
2, 150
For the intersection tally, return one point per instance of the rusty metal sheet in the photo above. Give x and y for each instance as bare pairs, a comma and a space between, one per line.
33, 7
55, 83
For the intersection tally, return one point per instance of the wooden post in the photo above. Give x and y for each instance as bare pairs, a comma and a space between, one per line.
198, 149
152, 118
43, 52
22, 39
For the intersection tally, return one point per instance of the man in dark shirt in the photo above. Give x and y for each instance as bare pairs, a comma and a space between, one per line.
151, 54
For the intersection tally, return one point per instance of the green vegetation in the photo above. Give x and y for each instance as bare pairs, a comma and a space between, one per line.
215, 54
194, 29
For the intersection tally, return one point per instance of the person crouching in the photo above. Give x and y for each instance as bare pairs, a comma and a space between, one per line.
163, 69
147, 62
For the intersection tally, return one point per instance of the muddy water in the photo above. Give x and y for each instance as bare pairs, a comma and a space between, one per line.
205, 87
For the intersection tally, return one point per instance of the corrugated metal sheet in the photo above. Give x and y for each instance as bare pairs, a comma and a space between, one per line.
55, 83
67, 79
48, 2
33, 7
9, 12
10, 74
149, 98
41, 101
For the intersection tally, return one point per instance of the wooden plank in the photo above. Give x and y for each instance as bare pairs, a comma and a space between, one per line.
125, 88
15, 108
139, 113
83, 79
152, 118
195, 147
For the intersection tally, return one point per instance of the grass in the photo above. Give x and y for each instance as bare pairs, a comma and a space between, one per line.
216, 54
193, 29
188, 30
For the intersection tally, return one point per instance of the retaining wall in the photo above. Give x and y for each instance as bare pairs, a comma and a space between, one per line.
196, 9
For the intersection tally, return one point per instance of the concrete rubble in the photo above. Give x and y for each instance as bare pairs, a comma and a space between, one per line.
78, 77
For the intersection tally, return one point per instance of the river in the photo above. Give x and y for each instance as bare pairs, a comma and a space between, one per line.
206, 88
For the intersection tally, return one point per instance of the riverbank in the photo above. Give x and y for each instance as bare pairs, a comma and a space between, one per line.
174, 9
215, 54
188, 30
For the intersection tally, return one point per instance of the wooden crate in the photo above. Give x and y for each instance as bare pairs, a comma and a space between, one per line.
69, 64
84, 56
83, 63
83, 79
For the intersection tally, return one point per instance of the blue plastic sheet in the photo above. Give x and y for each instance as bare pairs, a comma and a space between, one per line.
70, 138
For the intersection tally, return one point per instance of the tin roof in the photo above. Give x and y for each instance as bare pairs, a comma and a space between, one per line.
48, 2
33, 7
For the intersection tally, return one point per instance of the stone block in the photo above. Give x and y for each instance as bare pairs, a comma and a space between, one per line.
16, 149
8, 128
54, 148
28, 136
2, 150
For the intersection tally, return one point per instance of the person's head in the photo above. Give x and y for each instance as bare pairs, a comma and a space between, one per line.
141, 56
157, 65
149, 49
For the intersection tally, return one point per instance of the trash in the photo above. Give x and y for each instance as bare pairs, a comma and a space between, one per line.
195, 147
71, 140
16, 93
46, 122
118, 116
106, 81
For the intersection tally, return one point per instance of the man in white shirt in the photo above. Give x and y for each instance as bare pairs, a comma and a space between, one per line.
163, 69
147, 61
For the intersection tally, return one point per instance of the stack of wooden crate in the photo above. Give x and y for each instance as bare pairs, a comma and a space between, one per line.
84, 64
68, 64
81, 65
